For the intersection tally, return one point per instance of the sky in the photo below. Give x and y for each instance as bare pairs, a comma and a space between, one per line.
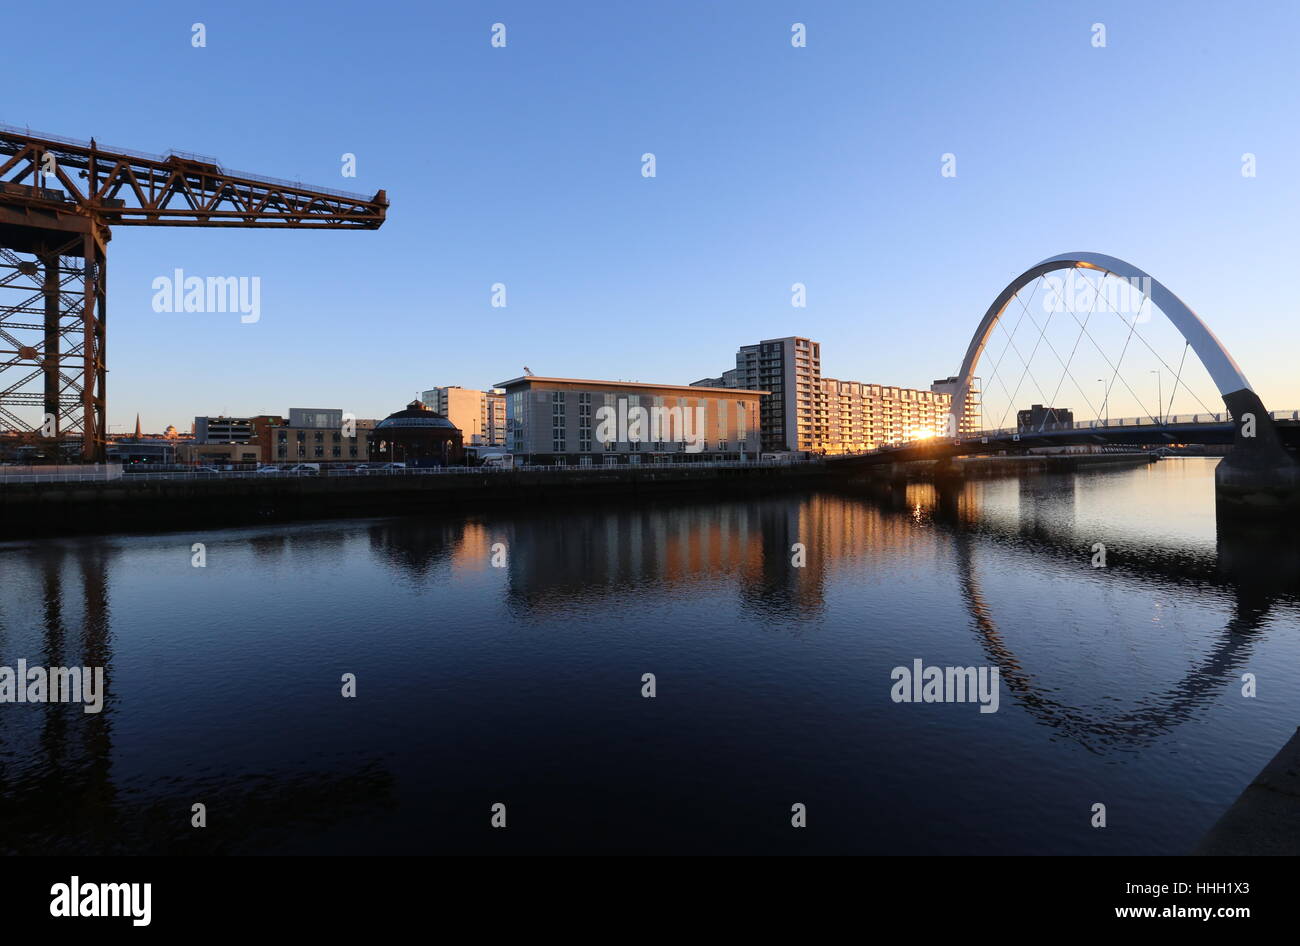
774, 165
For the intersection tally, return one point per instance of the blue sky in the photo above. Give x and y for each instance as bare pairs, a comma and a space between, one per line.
775, 165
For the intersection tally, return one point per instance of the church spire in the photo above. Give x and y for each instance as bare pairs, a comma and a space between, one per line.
137, 427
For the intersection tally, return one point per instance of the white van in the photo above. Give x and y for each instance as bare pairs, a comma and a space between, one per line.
505, 461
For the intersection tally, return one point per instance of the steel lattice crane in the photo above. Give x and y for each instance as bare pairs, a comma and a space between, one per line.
58, 200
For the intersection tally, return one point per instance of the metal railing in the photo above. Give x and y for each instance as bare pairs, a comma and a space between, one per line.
1109, 423
1172, 420
184, 155
212, 475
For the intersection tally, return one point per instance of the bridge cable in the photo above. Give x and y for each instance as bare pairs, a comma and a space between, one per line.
1181, 362
997, 364
1158, 358
1027, 364
1028, 367
1006, 348
1113, 365
1065, 364
1042, 332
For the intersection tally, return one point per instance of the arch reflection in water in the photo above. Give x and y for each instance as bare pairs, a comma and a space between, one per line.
1242, 576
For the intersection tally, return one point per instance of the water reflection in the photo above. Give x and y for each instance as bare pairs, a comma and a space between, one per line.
58, 793
1256, 569
562, 557
1000, 550
566, 557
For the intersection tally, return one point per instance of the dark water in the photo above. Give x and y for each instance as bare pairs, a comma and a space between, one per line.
522, 684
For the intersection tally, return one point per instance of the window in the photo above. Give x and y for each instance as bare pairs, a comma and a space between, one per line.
319, 451
337, 451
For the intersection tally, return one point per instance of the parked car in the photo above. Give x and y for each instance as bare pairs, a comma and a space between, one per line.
391, 466
269, 469
305, 469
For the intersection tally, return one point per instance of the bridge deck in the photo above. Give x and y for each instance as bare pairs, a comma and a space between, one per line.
1208, 429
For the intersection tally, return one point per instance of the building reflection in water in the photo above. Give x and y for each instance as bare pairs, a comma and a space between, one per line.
418, 548
567, 558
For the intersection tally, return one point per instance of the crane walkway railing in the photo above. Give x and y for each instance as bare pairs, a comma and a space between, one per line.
183, 155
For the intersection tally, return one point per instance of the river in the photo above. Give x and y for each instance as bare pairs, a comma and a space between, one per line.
502, 659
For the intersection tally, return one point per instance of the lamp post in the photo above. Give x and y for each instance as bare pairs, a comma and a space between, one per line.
1160, 395
1106, 420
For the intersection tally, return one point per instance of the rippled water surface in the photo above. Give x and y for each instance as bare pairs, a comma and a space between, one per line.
522, 684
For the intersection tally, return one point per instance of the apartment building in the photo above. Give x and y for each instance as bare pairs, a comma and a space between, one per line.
793, 414
972, 419
726, 380
806, 412
480, 415
862, 416
579, 421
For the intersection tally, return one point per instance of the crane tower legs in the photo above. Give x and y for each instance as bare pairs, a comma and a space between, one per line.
52, 314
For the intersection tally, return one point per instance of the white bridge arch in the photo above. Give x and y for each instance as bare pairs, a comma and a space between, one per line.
1228, 378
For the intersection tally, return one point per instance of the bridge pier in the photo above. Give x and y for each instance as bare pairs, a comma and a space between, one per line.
1258, 477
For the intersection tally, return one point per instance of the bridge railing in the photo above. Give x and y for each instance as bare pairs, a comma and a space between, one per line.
1173, 420
1109, 423
1112, 422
